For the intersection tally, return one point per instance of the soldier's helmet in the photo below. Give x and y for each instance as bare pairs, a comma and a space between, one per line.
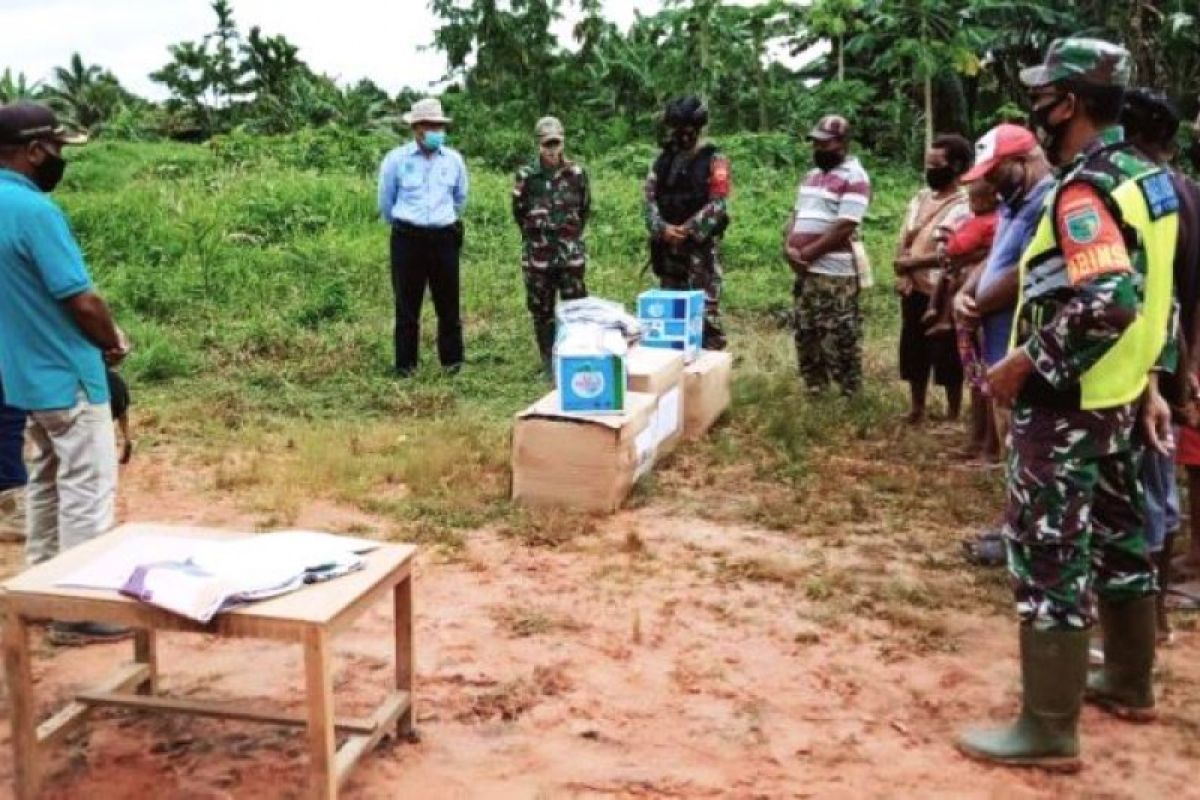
686, 111
1093, 61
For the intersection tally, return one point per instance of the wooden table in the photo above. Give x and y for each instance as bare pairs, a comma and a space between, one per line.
309, 617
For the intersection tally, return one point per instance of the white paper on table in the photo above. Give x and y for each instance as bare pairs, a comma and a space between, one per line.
271, 558
252, 562
113, 568
302, 538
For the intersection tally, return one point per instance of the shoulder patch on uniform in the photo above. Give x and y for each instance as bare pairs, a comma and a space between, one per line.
1159, 193
1082, 224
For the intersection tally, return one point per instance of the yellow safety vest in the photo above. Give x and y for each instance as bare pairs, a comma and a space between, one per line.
1120, 376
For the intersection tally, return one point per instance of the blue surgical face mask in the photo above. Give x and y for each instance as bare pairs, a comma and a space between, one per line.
435, 139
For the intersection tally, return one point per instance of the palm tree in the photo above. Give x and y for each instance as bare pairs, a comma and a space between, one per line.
86, 94
15, 87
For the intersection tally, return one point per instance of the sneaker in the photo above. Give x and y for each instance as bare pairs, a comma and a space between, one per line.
74, 634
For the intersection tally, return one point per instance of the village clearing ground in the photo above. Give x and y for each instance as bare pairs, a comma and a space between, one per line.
774, 616
780, 611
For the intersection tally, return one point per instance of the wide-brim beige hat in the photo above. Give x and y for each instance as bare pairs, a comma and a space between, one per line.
427, 110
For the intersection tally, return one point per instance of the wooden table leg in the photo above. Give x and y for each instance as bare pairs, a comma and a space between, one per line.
404, 652
26, 755
322, 773
145, 651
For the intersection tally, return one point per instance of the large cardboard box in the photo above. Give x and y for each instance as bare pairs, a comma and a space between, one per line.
672, 319
660, 373
705, 391
583, 462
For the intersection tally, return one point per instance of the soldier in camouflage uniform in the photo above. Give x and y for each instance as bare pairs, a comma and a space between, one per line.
687, 211
551, 202
1092, 320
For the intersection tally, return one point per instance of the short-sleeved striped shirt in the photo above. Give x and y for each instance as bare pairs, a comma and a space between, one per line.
843, 192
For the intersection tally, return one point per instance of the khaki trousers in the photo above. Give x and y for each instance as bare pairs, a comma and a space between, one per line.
72, 478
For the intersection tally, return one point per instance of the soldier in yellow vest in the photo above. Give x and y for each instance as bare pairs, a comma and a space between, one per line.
1091, 321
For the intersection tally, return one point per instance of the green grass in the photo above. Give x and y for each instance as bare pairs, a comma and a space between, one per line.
253, 278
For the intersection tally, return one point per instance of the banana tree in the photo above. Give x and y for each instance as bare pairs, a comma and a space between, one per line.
835, 20
913, 41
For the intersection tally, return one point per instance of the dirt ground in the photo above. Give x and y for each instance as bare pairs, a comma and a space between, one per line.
662, 654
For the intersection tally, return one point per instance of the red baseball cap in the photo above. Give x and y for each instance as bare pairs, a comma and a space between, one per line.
997, 144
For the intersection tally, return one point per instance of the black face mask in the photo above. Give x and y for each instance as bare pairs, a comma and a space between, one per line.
1193, 153
1049, 135
684, 139
827, 159
938, 178
48, 174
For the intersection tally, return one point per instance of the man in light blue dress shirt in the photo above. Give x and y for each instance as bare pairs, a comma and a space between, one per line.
422, 192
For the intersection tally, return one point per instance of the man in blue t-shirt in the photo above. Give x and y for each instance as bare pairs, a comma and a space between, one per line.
55, 335
1009, 159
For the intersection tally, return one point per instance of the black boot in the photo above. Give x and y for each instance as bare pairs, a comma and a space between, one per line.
544, 333
1045, 734
1124, 686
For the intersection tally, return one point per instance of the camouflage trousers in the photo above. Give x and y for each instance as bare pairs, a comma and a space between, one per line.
1075, 516
542, 285
697, 267
828, 332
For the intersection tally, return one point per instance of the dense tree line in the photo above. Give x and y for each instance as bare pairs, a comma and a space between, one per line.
915, 65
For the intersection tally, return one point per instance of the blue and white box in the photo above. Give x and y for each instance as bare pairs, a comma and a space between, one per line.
592, 384
589, 369
673, 319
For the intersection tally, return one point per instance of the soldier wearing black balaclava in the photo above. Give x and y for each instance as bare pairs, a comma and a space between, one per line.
687, 211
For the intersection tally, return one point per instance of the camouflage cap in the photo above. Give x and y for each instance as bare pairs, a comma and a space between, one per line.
548, 128
1090, 60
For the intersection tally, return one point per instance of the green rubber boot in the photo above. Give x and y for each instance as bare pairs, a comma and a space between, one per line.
1045, 735
1123, 686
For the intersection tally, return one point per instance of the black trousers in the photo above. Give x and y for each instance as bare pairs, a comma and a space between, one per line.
921, 355
426, 257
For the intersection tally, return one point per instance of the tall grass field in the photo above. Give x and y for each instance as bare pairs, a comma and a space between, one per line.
252, 276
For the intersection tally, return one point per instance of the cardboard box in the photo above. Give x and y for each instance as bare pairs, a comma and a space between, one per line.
653, 371
593, 384
705, 391
660, 373
583, 462
673, 320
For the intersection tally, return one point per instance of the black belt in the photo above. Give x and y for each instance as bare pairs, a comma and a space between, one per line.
440, 233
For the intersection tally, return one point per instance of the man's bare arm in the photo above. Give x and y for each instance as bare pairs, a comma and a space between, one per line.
93, 317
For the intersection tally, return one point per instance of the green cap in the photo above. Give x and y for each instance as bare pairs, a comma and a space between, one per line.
1090, 60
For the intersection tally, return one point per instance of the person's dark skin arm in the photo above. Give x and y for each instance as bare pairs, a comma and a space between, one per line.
909, 263
93, 317
836, 238
971, 283
963, 302
1001, 294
